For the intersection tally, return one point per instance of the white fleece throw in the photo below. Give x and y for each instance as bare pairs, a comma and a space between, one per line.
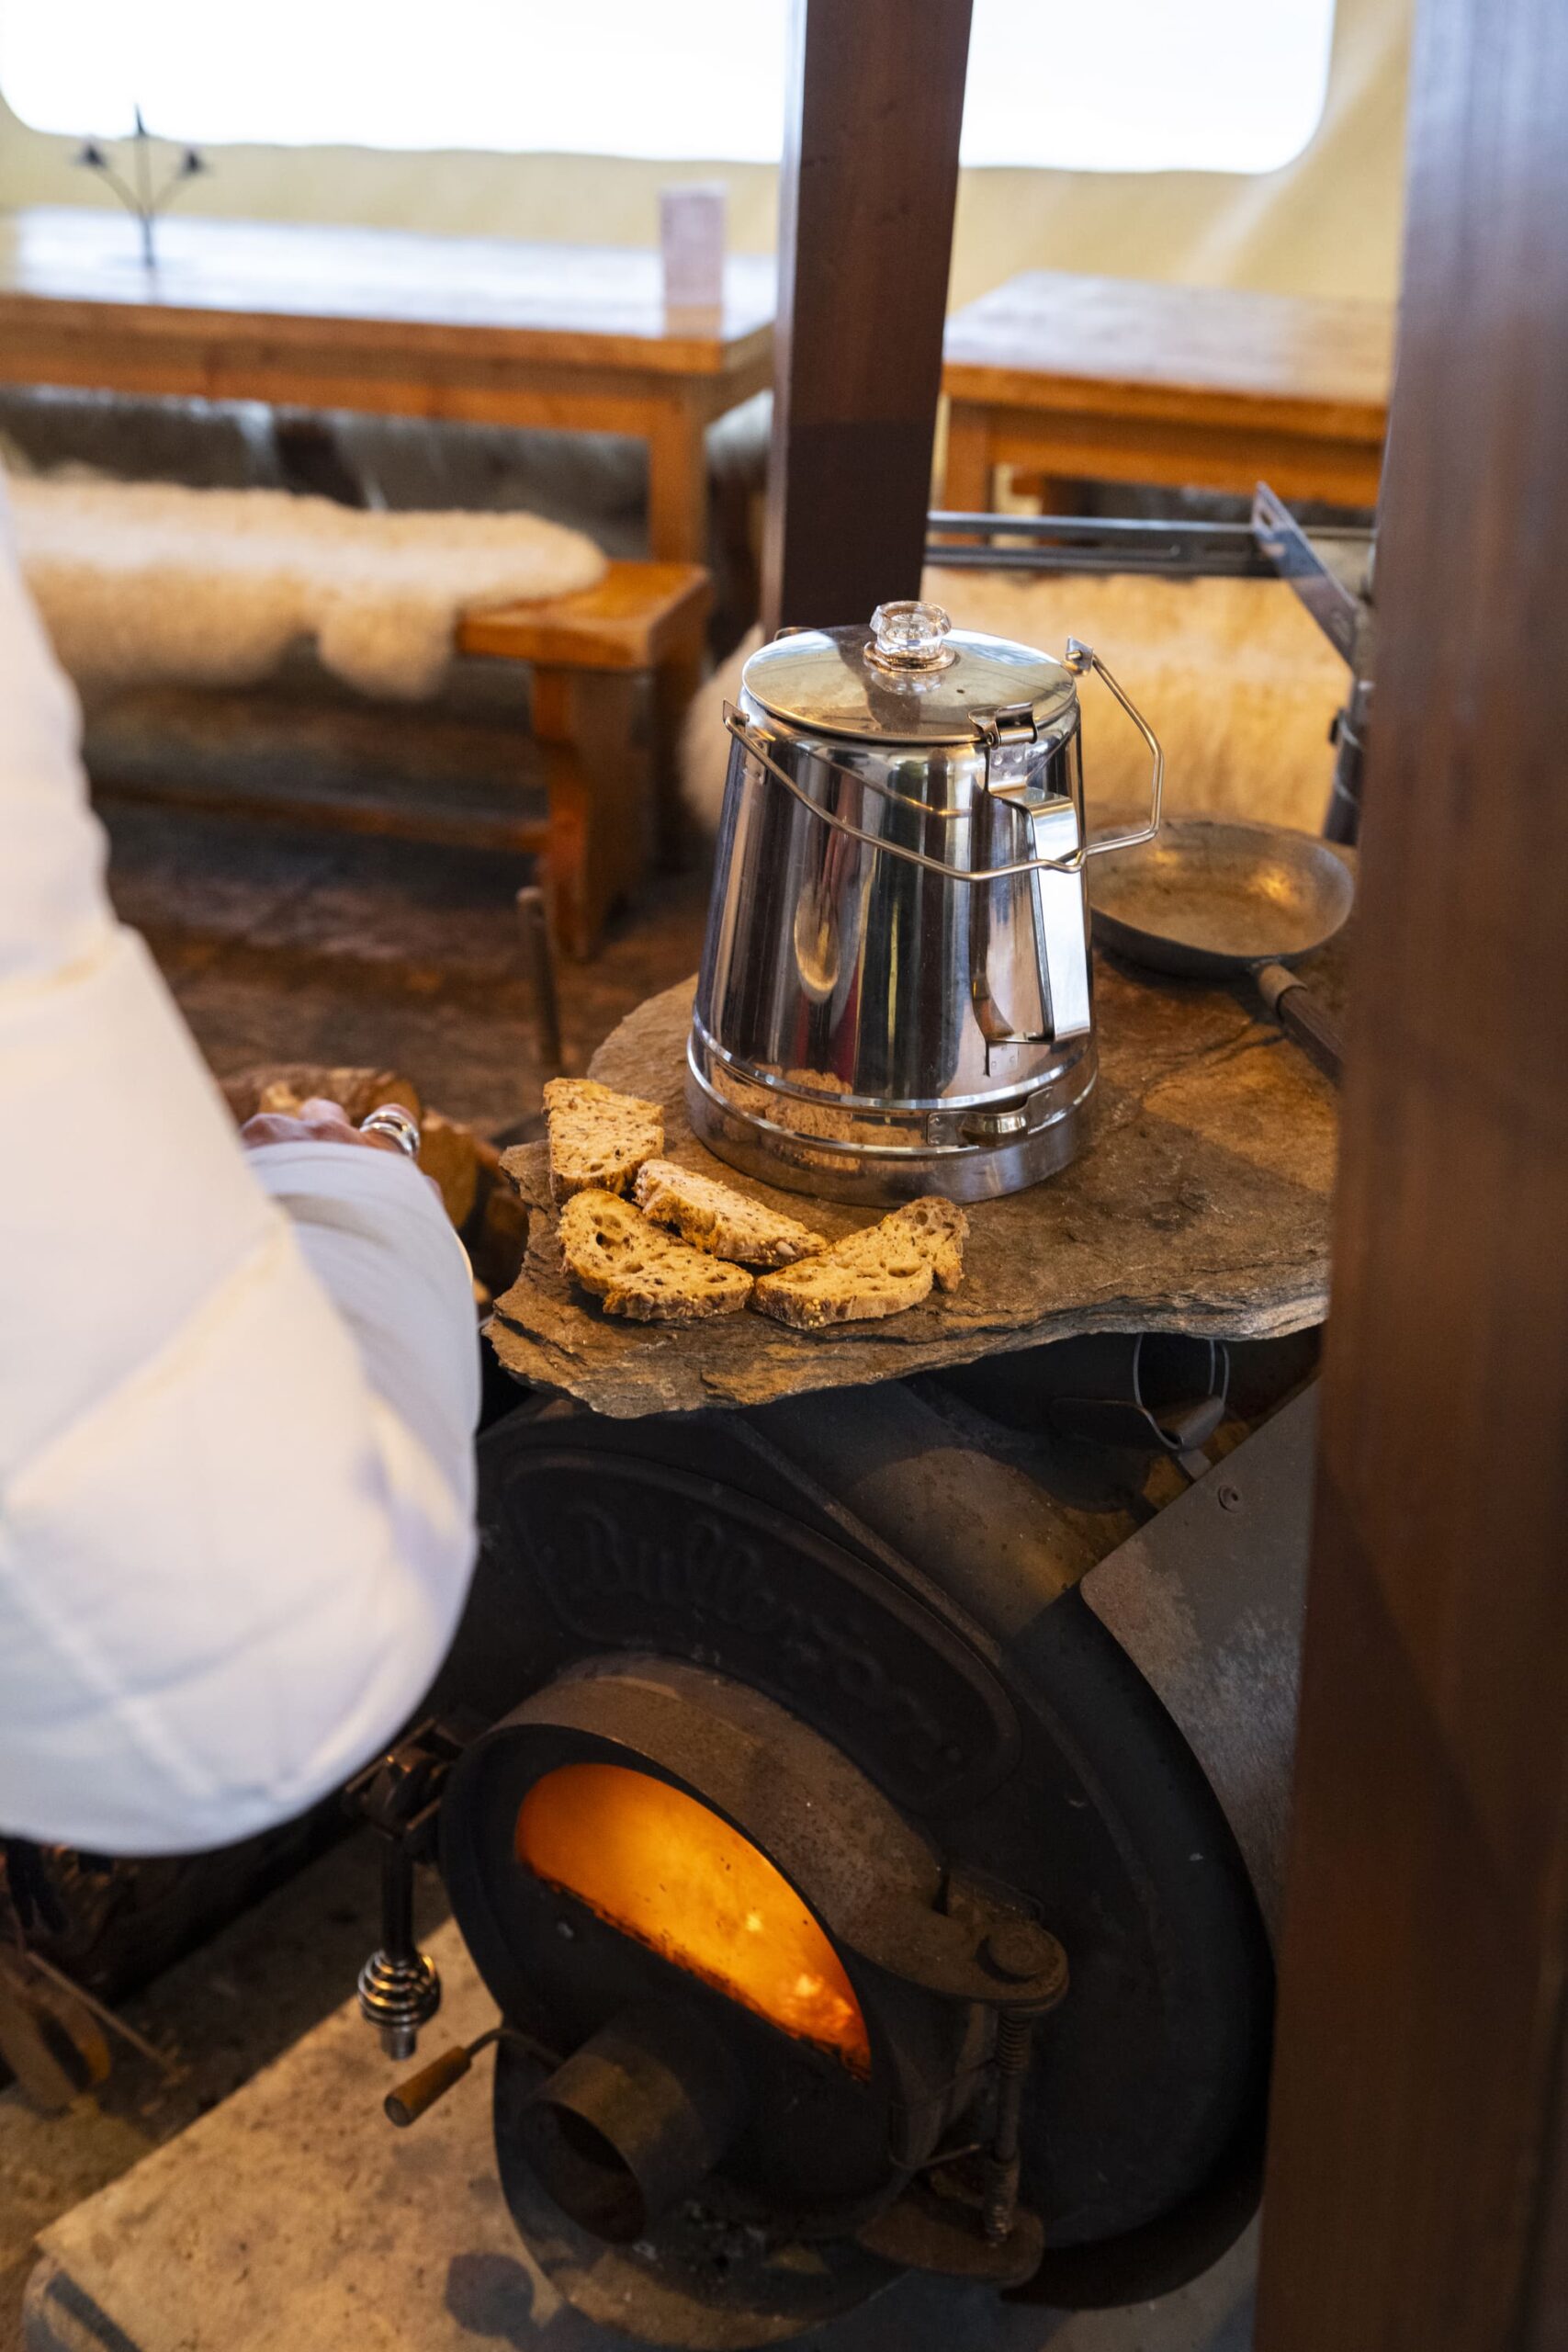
146, 582
1234, 676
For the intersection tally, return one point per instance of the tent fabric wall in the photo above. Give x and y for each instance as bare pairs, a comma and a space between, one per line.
1328, 223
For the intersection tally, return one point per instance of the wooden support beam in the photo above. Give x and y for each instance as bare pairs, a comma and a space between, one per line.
1418, 2187
865, 233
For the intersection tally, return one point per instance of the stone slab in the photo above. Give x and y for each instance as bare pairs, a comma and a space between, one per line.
1200, 1205
293, 2219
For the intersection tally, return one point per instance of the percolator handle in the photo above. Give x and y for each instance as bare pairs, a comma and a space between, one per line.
1079, 658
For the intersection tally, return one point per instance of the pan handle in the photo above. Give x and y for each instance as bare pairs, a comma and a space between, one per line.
1079, 658
1304, 1016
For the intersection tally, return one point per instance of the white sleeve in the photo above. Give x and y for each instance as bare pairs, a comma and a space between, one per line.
237, 1392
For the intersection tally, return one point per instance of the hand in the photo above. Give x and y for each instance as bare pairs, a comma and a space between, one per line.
317, 1121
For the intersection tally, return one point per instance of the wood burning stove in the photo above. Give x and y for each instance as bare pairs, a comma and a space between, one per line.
850, 1900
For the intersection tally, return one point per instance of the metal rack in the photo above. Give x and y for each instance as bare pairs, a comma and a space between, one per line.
1331, 571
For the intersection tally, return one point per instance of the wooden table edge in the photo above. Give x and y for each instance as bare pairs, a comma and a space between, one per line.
44, 318
995, 390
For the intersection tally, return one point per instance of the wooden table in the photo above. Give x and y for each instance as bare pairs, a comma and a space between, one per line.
1105, 379
478, 330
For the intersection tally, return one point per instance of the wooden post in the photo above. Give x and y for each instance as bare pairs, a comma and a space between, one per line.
865, 233
1418, 2189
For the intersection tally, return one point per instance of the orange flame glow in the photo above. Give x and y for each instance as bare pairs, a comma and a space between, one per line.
661, 1867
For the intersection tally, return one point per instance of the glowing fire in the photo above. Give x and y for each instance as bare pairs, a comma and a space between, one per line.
662, 1868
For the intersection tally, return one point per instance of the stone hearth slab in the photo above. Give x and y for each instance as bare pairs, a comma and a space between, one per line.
1200, 1205
293, 2219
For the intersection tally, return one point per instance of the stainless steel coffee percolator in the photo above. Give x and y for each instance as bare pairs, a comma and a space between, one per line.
896, 993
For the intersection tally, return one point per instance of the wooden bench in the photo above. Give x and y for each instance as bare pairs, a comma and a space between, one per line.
614, 669
642, 621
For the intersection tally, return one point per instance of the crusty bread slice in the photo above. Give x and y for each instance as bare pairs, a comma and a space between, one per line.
598, 1138
638, 1270
877, 1272
940, 1229
716, 1217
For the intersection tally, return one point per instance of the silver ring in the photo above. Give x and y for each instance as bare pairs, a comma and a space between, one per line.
391, 1119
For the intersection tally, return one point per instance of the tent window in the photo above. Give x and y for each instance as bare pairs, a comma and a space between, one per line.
1128, 85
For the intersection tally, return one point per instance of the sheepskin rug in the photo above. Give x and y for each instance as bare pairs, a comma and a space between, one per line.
147, 583
1234, 676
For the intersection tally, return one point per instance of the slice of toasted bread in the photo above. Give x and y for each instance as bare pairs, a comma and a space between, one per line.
598, 1138
638, 1270
716, 1217
877, 1272
940, 1229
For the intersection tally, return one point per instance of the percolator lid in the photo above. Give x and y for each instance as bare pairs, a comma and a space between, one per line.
910, 678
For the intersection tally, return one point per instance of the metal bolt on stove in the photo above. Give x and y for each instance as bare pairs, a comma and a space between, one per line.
1016, 1951
1015, 2039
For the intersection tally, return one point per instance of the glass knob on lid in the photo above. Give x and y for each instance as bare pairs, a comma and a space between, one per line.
909, 635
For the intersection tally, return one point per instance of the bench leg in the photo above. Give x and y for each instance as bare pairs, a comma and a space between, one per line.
597, 775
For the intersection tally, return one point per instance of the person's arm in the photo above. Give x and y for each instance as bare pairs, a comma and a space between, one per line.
235, 1429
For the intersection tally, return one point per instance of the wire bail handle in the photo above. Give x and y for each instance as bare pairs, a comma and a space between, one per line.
1015, 723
